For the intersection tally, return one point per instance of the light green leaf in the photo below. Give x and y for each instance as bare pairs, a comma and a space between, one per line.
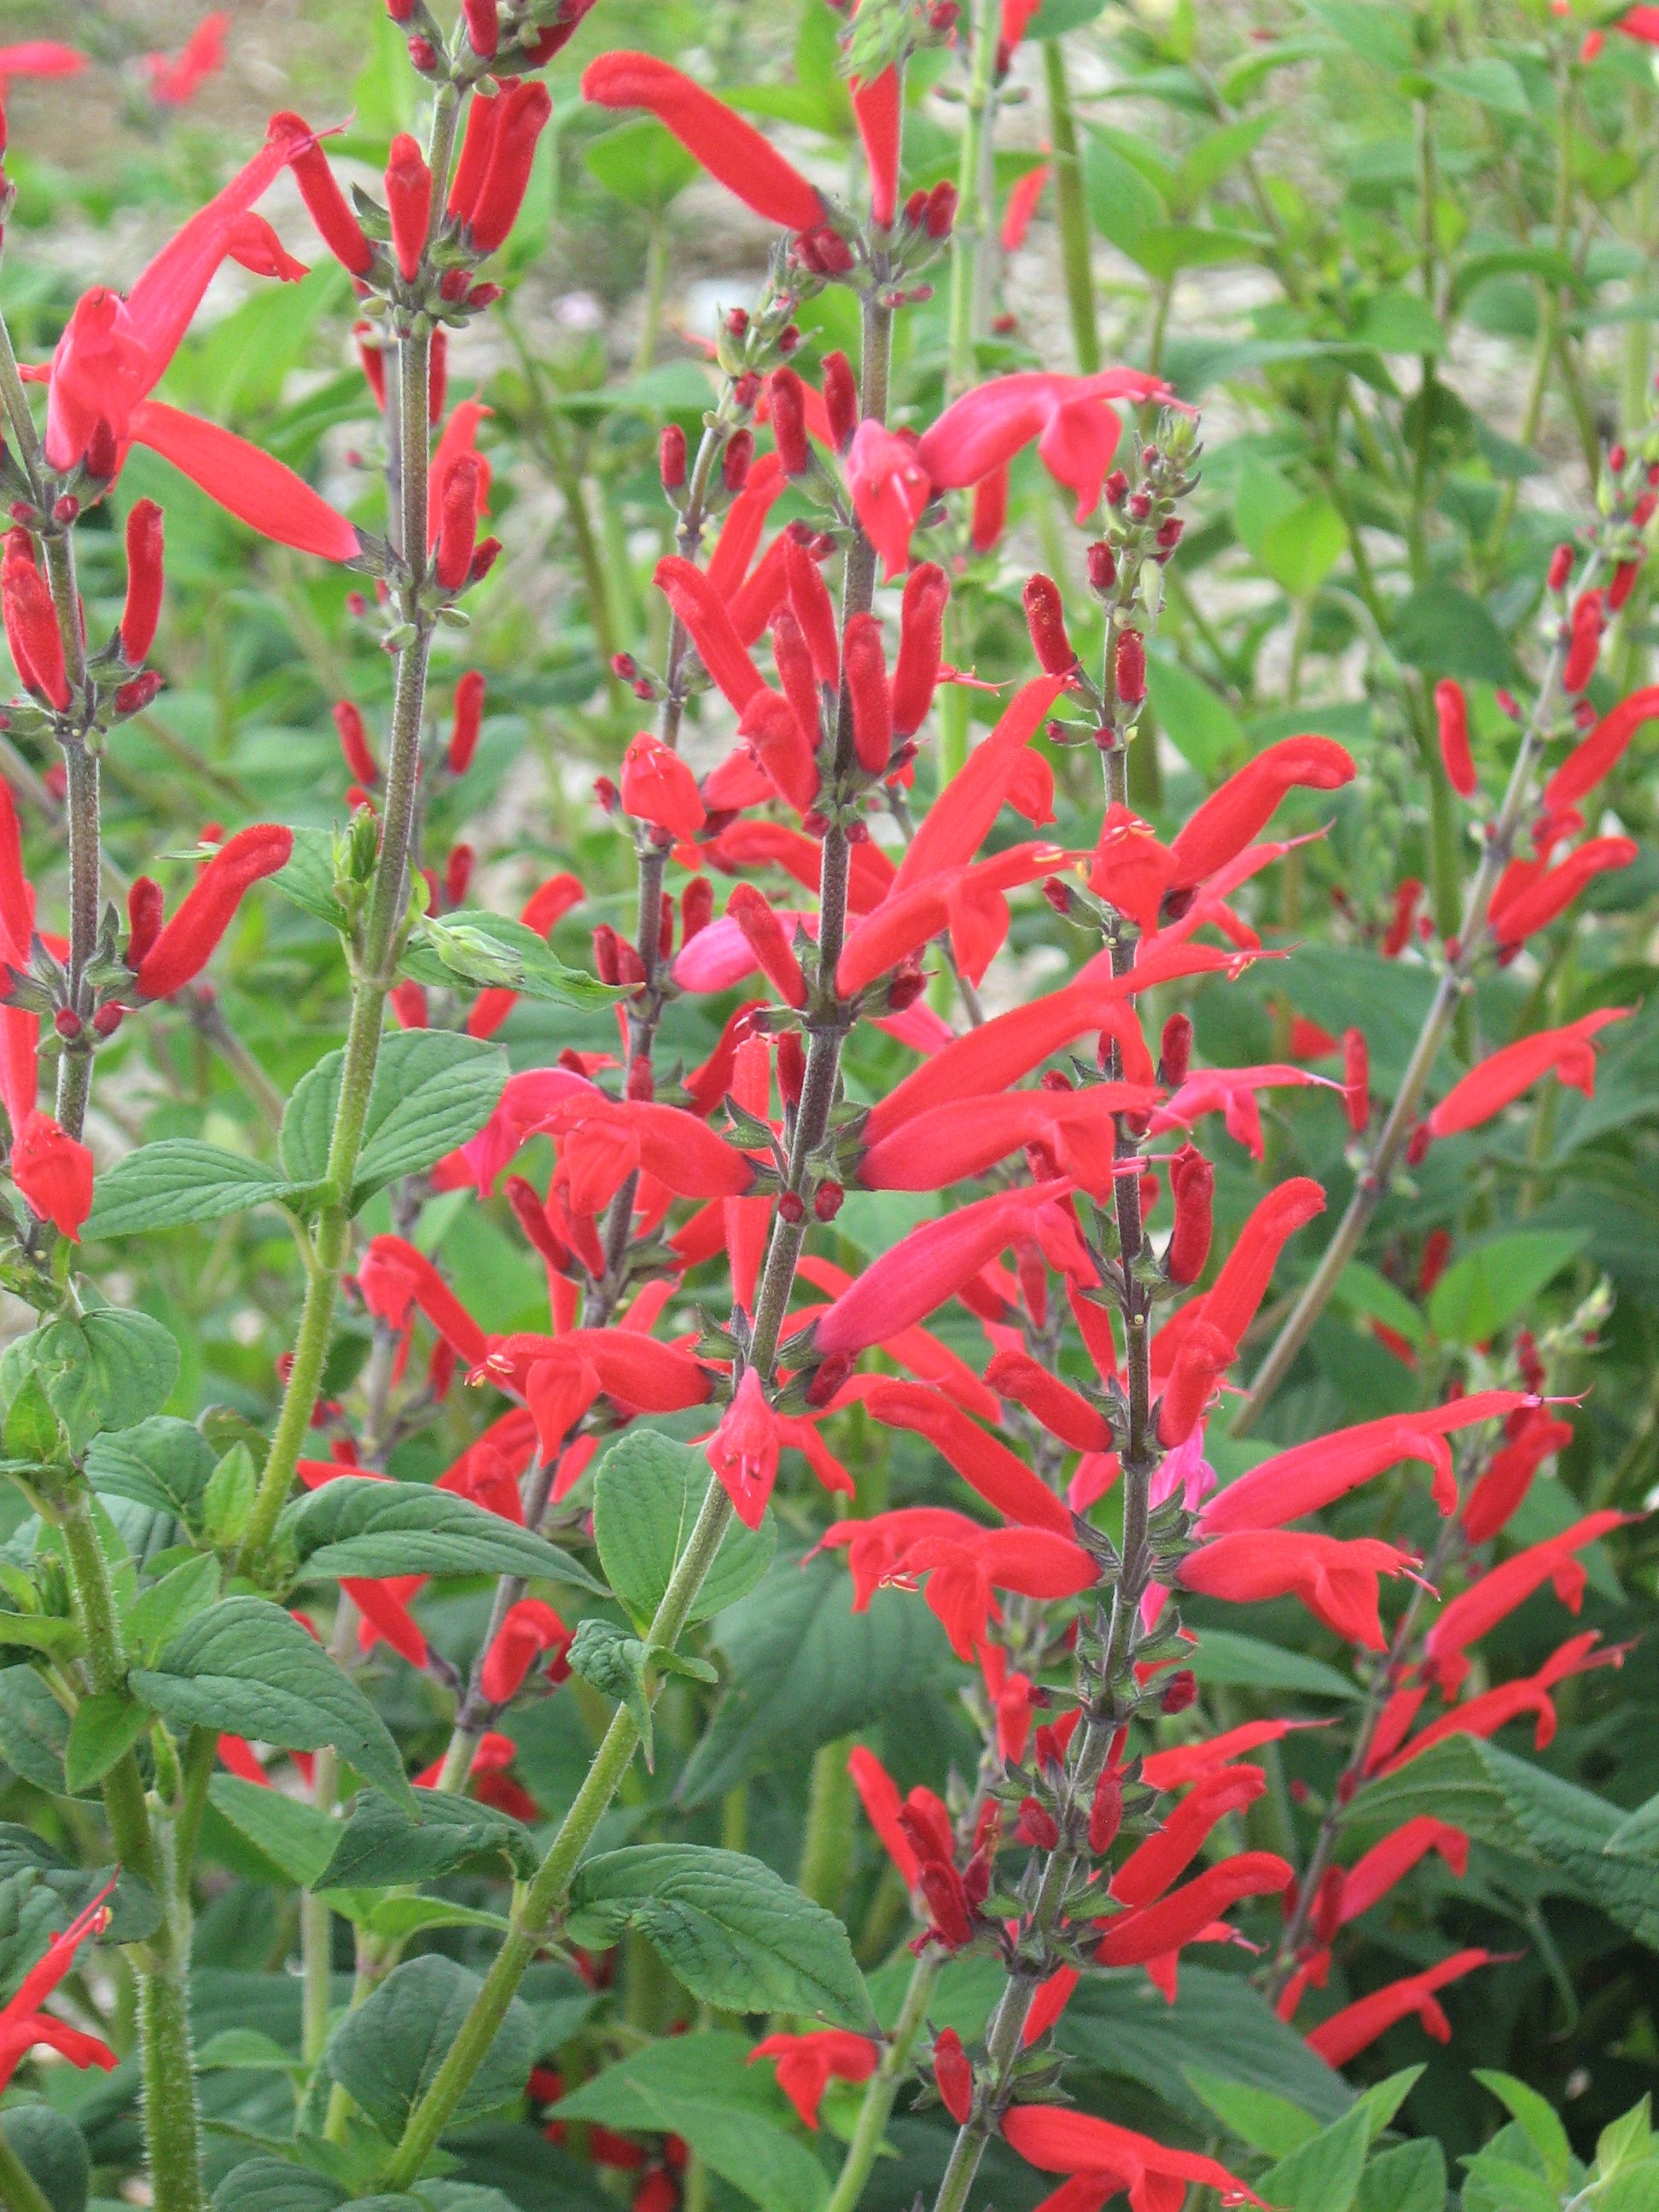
102, 1369
647, 1493
641, 163
1361, 1290
41, 1631
1410, 2179
277, 2184
433, 1090
1483, 1289
473, 947
1197, 721
1321, 2175
735, 1933
1540, 2119
1398, 321
295, 1837
179, 1180
386, 2052
1300, 550
360, 1526
247, 1666
106, 1727
308, 878
1260, 2119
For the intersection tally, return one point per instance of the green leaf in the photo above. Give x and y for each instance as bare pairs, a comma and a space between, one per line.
1634, 2189
41, 1632
1483, 1289
1055, 18
34, 1729
1227, 1660
277, 2184
1410, 2179
106, 1727
249, 1667
1625, 2141
381, 1844
179, 1180
1496, 2183
615, 1664
702, 2086
1123, 204
647, 1493
295, 1837
735, 1933
1398, 321
802, 1668
641, 163
1197, 721
433, 1090
1323, 2174
1490, 79
1383, 2099
1371, 29
308, 878
163, 1463
385, 2053
1537, 1817
102, 1369
1164, 249
1301, 548
53, 2153
1538, 2117
360, 1526
1361, 1290
1448, 632
473, 947
1264, 2120
182, 1593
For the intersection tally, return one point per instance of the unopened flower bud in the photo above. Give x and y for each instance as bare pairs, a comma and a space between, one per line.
1560, 567
1103, 566
841, 400
1175, 1051
1180, 1691
734, 461
671, 456
939, 217
1035, 1826
1106, 1812
68, 1023
1045, 617
1129, 667
827, 1201
792, 1207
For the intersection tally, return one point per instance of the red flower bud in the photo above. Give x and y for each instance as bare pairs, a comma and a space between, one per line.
1193, 1182
144, 911
841, 400
696, 908
1129, 667
458, 875
1103, 566
606, 960
792, 1207
483, 30
187, 943
135, 696
1417, 1145
1175, 1051
482, 115
1357, 1079
354, 742
829, 1379
525, 112
786, 400
1622, 584
1452, 712
865, 664
1114, 485
31, 621
827, 1201
953, 2075
1560, 567
671, 458
408, 201
940, 214
1180, 1691
753, 915
469, 717
457, 525
1045, 617
1035, 1826
921, 632
1584, 641
337, 225
1106, 1812
734, 461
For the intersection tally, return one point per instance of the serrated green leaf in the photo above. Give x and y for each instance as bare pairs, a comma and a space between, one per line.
1412, 2178
264, 2184
386, 2052
104, 1369
163, 1610
434, 1089
358, 1527
615, 1664
163, 1463
179, 1180
736, 1934
53, 2151
382, 1843
647, 1493
308, 878
247, 1666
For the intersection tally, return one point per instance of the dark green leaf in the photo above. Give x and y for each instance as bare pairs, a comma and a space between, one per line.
735, 1933
433, 1090
648, 1491
188, 1590
1447, 632
102, 1369
358, 1527
1229, 1659
614, 1661
275, 2185
163, 1463
105, 1729
1410, 2179
249, 1667
179, 1180
34, 1729
386, 2052
380, 1843
53, 2151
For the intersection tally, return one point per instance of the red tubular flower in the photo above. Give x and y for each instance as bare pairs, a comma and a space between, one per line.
890, 489
22, 2023
1356, 1080
394, 1276
783, 748
841, 400
469, 720
483, 28
1045, 618
1336, 1581
786, 408
1194, 1182
483, 116
187, 943
1452, 713
1055, 2139
814, 610
808, 2063
1231, 818
879, 1795
699, 606
41, 57
53, 1173
251, 485
657, 786
408, 201
922, 631
999, 1476
1540, 900
31, 630
864, 674
1601, 751
876, 111
1494, 1710
989, 514
760, 927
966, 901
144, 576
523, 112
743, 1450
354, 743
1479, 1609
1129, 667
1077, 1130
327, 204
930, 1265
1065, 1413
1584, 641
527, 1629
953, 2076
732, 151
1150, 1931
1406, 894
1498, 1494
793, 661
1204, 1356
955, 824
1164, 1857
1342, 2037
602, 1140
458, 521
1022, 204
1497, 1082
746, 519
1077, 432
1239, 1289
1373, 1876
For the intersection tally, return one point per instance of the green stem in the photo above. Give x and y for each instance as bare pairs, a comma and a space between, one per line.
883, 2086
974, 214
172, 2122
1075, 254
827, 1847
656, 273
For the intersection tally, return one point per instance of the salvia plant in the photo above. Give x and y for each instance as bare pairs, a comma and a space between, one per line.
865, 1484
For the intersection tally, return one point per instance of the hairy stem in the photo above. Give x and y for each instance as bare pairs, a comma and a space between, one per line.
883, 2086
1076, 258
